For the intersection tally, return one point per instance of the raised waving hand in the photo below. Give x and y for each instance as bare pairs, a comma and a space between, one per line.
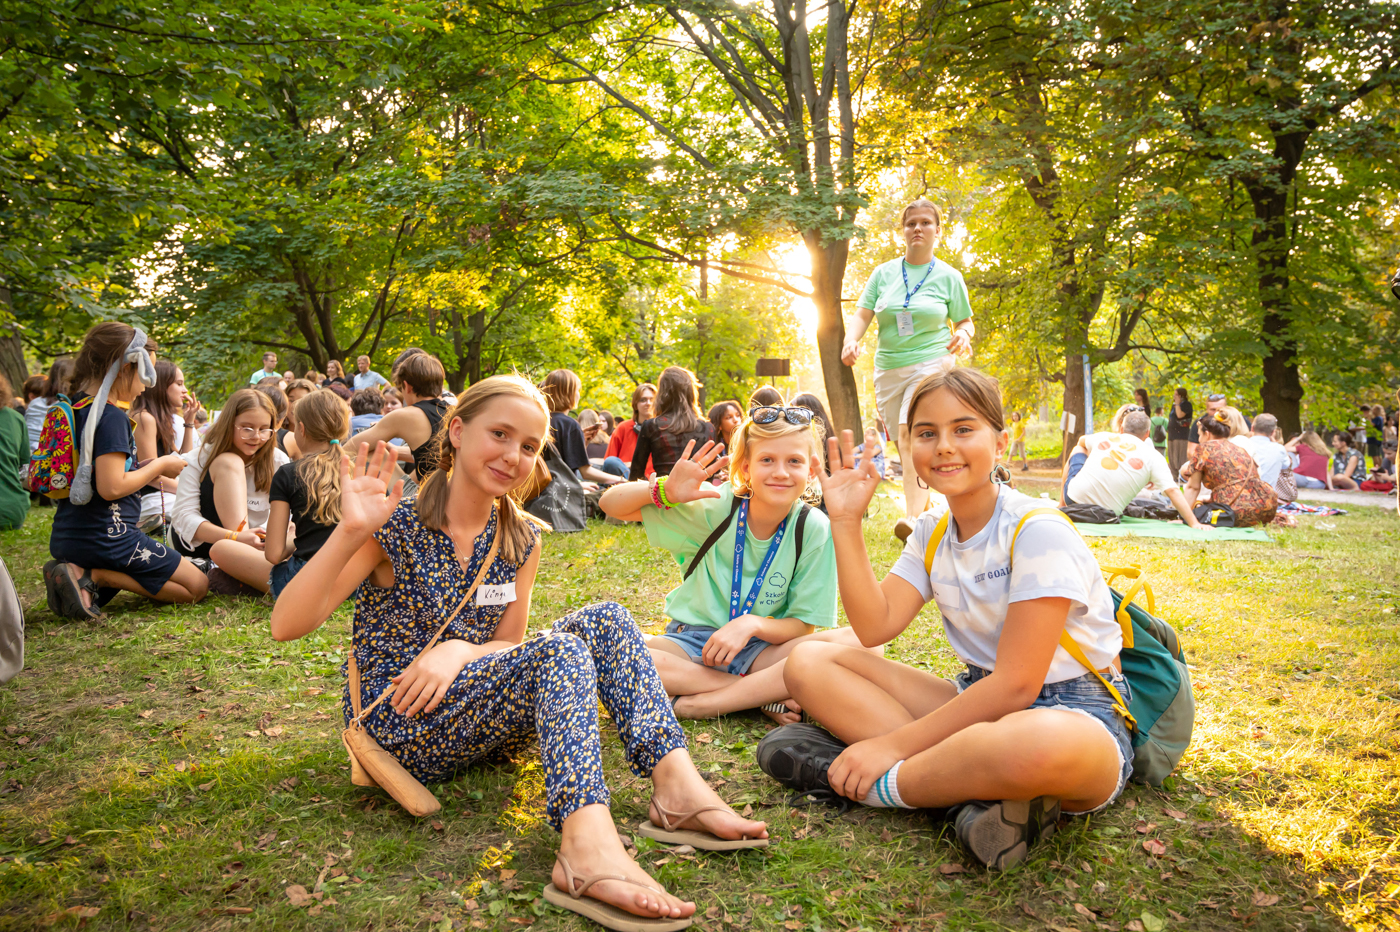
689, 478
366, 500
847, 491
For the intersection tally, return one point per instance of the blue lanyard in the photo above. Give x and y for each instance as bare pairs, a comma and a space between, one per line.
904, 270
740, 541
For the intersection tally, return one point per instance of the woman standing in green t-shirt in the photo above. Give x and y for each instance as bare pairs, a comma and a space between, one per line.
924, 323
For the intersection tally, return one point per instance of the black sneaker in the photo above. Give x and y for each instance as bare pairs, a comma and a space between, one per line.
798, 756
999, 834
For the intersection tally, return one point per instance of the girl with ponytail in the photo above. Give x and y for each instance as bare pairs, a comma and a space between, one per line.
306, 494
459, 561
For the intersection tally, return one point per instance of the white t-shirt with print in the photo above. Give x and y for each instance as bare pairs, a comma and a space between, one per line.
1118, 468
974, 581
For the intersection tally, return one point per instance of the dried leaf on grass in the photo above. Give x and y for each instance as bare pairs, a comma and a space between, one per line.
1265, 899
1154, 847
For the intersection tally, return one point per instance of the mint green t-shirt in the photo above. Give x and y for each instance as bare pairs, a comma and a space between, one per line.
806, 591
941, 298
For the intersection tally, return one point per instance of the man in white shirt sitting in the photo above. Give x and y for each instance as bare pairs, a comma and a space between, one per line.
1269, 455
1110, 470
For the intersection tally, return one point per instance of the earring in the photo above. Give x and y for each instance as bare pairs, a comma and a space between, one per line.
919, 481
1000, 475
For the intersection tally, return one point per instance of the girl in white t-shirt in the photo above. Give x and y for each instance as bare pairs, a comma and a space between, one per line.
1026, 726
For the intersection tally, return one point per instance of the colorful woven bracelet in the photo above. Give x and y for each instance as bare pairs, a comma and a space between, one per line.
661, 491
655, 498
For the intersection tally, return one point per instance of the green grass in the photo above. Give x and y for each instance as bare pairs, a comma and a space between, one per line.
174, 768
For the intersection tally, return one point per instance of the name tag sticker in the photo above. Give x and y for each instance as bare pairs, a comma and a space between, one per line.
495, 595
905, 321
948, 595
881, 304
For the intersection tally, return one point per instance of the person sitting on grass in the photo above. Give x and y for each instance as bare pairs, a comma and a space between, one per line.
1382, 476
485, 690
305, 495
1228, 470
730, 633
97, 548
221, 505
1349, 465
1025, 732
1112, 469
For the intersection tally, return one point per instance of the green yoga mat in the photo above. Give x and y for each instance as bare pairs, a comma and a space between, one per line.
1146, 527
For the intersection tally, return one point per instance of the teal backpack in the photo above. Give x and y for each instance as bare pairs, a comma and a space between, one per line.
1163, 708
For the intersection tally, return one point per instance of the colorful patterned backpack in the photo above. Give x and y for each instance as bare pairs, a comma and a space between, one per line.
55, 460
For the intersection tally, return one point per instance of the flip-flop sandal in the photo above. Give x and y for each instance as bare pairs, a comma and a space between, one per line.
65, 594
605, 914
667, 833
778, 708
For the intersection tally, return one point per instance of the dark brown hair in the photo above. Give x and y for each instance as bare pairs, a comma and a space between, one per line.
34, 387
155, 401
279, 400
422, 373
367, 401
1218, 425
103, 345
718, 413
60, 379
675, 400
765, 395
974, 388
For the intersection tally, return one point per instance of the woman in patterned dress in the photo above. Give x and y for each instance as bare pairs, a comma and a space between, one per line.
484, 690
1230, 473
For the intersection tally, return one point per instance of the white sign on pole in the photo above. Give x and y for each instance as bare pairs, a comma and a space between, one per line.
1067, 422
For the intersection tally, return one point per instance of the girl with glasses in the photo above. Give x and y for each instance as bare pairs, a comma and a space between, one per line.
756, 562
222, 504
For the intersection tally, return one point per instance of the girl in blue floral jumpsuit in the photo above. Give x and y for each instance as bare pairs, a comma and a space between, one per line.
483, 690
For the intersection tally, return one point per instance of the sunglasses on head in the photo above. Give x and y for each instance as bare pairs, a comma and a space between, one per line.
1130, 408
1215, 397
767, 414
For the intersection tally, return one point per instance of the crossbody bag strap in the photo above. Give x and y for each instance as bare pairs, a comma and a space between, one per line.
354, 672
714, 537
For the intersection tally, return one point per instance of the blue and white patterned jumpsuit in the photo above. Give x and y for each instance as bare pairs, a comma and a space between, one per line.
547, 686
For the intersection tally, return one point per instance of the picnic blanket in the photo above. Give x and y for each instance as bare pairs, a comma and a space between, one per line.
1147, 527
1298, 508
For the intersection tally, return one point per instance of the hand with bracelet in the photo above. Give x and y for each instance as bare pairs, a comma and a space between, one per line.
689, 480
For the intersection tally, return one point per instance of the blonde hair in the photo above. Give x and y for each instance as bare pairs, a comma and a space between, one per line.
324, 418
1239, 427
1312, 441
220, 438
517, 535
747, 432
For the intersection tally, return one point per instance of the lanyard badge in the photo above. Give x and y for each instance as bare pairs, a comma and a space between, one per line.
740, 541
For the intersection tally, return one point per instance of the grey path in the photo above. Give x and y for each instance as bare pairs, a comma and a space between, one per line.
1346, 499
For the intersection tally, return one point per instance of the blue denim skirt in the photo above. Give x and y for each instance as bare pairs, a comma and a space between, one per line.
1086, 696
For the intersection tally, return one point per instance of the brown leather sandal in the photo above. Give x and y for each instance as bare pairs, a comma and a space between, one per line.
605, 914
668, 833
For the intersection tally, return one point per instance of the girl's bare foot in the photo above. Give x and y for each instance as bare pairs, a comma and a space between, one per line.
791, 716
591, 845
680, 788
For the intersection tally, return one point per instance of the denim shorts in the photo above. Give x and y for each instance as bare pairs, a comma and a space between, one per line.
692, 639
1087, 696
282, 574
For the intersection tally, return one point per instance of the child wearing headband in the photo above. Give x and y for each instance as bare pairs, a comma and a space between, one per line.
307, 492
758, 566
96, 546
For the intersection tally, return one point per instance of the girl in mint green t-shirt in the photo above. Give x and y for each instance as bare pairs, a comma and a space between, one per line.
730, 634
923, 320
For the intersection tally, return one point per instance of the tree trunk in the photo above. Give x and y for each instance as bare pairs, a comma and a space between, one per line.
1281, 393
12, 364
828, 270
1074, 401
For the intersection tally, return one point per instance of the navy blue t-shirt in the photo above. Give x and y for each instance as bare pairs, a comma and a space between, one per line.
99, 517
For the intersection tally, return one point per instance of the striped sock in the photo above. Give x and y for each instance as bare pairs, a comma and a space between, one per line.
885, 793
